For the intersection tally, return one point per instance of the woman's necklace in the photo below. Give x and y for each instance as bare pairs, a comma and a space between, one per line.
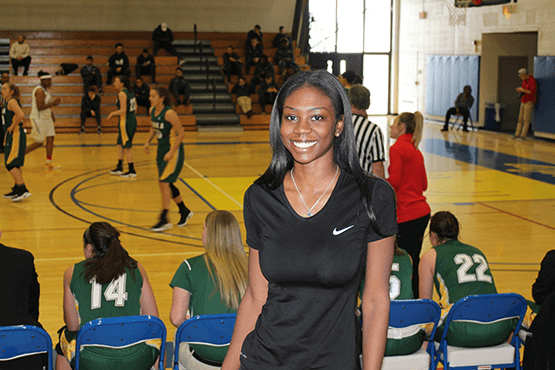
309, 213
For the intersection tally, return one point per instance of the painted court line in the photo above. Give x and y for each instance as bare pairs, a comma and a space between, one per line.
517, 216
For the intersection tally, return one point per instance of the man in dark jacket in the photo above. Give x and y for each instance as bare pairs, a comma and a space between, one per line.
253, 53
91, 76
142, 93
284, 55
163, 38
145, 65
462, 107
90, 107
281, 35
20, 291
262, 69
232, 63
118, 63
180, 86
267, 92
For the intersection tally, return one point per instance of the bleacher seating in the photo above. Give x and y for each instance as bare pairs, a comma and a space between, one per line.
210, 102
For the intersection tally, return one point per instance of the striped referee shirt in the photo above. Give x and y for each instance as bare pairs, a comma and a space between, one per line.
369, 142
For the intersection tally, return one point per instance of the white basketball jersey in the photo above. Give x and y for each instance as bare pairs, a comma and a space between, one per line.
35, 113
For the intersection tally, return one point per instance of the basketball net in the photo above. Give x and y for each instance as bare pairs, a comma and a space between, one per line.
457, 15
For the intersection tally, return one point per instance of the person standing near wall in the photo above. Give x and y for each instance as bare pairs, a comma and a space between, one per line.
527, 100
20, 55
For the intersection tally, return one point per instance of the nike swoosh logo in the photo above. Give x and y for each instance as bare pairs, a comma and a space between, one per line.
337, 232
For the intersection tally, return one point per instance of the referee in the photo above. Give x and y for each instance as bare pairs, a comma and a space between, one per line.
368, 135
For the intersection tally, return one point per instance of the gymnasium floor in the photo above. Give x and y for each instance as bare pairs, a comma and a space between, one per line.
501, 190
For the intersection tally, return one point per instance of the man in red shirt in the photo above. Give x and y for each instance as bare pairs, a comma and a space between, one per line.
527, 100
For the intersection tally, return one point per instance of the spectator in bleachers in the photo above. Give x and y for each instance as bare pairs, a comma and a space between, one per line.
163, 38
107, 283
146, 65
253, 53
254, 34
179, 86
91, 76
212, 283
20, 55
42, 119
407, 176
90, 107
357, 80
284, 55
458, 270
368, 135
261, 70
243, 92
347, 79
462, 107
3, 79
20, 290
142, 93
118, 64
290, 69
527, 100
281, 35
232, 63
267, 92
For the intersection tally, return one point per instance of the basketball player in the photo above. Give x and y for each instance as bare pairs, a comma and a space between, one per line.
42, 119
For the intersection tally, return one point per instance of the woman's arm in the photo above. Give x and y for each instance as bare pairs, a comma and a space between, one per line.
375, 302
71, 316
122, 106
172, 118
148, 302
426, 271
249, 310
395, 167
180, 305
18, 115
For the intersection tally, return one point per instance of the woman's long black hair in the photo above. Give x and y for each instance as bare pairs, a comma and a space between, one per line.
344, 146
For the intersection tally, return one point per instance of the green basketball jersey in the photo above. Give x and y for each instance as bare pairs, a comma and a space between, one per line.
461, 270
7, 116
121, 297
163, 129
131, 106
400, 280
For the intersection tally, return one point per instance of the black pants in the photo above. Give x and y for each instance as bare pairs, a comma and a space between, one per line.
112, 72
464, 112
234, 68
85, 114
266, 98
164, 45
409, 238
143, 102
92, 79
149, 70
25, 62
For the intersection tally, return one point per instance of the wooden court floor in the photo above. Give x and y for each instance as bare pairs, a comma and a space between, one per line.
502, 192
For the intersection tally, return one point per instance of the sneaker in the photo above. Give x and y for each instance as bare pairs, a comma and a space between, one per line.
22, 194
52, 166
162, 225
99, 131
184, 218
465, 129
82, 131
117, 171
129, 174
444, 129
12, 194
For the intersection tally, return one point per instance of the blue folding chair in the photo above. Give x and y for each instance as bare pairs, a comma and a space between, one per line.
24, 340
117, 332
485, 308
404, 314
215, 330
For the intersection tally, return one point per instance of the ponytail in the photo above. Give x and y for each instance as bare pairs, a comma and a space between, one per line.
15, 90
445, 225
414, 123
110, 260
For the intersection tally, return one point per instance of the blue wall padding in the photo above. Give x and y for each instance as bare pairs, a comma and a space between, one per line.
544, 66
544, 119
446, 76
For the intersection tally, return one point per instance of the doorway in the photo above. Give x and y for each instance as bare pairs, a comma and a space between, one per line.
506, 88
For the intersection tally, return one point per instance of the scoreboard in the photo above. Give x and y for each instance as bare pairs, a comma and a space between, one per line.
475, 3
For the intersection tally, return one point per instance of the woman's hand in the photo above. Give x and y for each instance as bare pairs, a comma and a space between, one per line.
147, 147
169, 155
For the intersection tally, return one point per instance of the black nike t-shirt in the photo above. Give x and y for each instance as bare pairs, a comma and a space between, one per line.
313, 267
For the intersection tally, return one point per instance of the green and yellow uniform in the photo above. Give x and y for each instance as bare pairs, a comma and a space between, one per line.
121, 297
167, 171
194, 277
15, 142
128, 124
462, 270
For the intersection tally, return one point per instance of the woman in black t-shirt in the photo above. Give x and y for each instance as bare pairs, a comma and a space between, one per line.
314, 222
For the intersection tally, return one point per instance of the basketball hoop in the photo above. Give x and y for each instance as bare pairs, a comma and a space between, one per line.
457, 11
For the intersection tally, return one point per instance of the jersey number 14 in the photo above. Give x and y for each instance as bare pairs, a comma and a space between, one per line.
115, 291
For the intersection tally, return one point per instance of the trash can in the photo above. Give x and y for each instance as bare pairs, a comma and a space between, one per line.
494, 116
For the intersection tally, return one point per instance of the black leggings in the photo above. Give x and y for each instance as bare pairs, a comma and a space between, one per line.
409, 238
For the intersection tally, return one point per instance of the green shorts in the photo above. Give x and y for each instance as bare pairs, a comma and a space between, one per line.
14, 148
140, 356
126, 131
169, 171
